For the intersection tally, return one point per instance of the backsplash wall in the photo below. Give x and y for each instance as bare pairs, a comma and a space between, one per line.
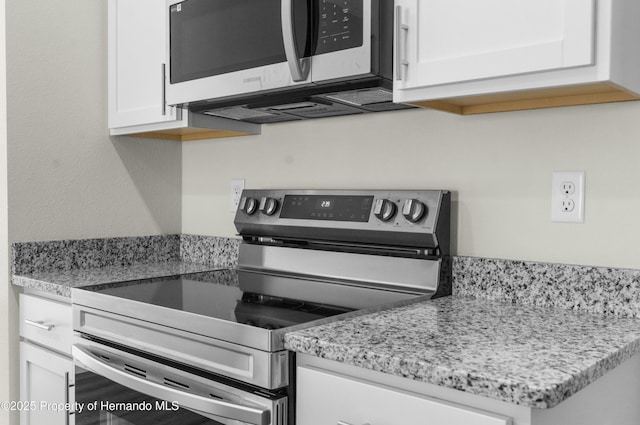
498, 165
67, 177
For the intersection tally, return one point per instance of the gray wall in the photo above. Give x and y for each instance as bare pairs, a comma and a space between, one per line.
498, 165
67, 178
7, 300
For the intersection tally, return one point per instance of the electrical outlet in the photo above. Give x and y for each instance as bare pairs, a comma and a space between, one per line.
568, 188
237, 185
568, 205
567, 196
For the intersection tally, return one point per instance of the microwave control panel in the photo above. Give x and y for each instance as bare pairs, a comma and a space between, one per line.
340, 25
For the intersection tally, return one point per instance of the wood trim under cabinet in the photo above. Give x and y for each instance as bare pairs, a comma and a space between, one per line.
188, 134
532, 99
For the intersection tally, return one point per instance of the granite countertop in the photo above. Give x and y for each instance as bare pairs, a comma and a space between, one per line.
60, 282
527, 355
57, 266
527, 333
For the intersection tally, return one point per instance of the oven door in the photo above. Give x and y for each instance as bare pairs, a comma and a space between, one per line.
116, 386
223, 48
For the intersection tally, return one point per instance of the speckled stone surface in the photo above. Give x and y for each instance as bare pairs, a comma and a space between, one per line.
60, 282
598, 290
29, 257
209, 249
528, 355
57, 266
521, 332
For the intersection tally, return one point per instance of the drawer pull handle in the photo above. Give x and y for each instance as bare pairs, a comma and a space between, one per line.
347, 423
40, 325
402, 34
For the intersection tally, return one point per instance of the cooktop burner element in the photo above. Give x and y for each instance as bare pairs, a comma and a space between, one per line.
269, 312
255, 299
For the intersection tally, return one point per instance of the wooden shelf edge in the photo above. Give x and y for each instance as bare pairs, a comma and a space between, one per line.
528, 100
204, 135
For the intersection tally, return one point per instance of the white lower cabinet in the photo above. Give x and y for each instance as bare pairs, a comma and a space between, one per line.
46, 386
327, 398
46, 369
333, 393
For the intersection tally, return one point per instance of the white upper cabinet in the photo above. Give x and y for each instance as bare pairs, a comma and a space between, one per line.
137, 33
464, 40
470, 56
137, 61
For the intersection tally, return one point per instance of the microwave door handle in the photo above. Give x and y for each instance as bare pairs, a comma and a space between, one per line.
202, 405
299, 66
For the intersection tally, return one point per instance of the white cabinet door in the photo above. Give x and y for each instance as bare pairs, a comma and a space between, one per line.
323, 398
46, 381
137, 55
446, 41
137, 68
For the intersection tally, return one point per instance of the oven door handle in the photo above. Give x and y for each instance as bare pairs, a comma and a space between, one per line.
198, 404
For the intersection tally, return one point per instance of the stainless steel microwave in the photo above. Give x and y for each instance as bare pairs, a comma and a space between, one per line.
225, 49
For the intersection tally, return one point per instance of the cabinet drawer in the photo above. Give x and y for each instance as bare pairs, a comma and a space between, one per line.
327, 398
46, 322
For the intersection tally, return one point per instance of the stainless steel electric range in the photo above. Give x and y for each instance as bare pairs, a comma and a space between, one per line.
208, 348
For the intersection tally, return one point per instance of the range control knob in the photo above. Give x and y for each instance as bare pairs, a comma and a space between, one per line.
268, 206
384, 209
413, 210
248, 205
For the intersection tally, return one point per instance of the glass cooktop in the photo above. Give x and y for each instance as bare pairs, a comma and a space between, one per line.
263, 300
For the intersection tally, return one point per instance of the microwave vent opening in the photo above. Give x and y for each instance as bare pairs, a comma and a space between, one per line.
287, 107
294, 106
369, 100
239, 113
362, 97
255, 116
319, 109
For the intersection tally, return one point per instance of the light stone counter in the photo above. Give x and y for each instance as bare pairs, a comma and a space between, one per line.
60, 282
57, 266
527, 355
533, 333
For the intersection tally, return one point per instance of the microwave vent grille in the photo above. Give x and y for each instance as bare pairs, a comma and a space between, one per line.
240, 113
362, 97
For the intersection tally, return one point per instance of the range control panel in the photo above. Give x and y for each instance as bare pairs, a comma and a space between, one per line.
398, 217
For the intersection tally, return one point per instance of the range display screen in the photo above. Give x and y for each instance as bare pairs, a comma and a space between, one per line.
331, 207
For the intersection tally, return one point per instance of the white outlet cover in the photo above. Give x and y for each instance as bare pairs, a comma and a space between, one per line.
558, 196
236, 187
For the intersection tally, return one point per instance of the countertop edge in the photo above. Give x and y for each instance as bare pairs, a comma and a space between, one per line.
522, 394
41, 285
60, 282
